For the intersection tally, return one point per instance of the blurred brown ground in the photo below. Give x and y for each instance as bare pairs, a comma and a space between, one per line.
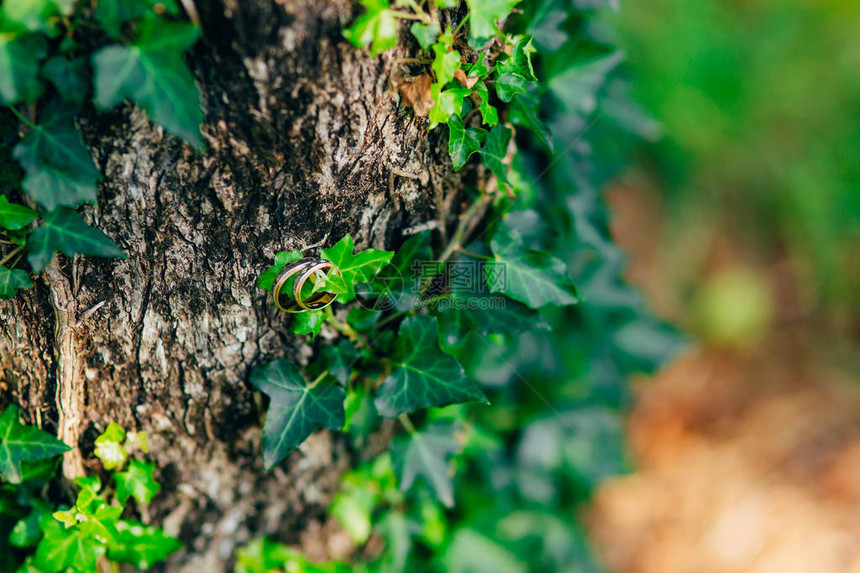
746, 459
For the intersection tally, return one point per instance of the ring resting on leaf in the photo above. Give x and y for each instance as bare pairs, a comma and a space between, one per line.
300, 272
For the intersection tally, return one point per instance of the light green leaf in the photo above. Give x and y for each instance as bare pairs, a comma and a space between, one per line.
137, 482
427, 454
463, 142
15, 217
355, 268
62, 548
19, 67
296, 409
519, 63
425, 33
20, 443
60, 170
423, 375
109, 448
63, 230
151, 72
376, 28
445, 103
533, 277
489, 114
445, 63
495, 150
485, 13
479, 69
309, 323
12, 280
282, 259
35, 15
141, 545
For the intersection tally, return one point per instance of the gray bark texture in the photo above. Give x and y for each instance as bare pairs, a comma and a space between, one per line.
306, 140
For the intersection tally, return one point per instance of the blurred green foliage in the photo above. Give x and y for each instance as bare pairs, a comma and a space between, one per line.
760, 102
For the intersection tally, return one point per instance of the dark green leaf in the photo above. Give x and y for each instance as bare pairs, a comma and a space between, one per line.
19, 67
376, 28
427, 454
20, 443
423, 375
63, 230
70, 77
339, 360
528, 275
141, 545
12, 280
463, 142
296, 409
355, 268
519, 63
137, 482
26, 532
60, 171
15, 217
425, 34
577, 86
484, 13
495, 150
524, 112
507, 86
112, 14
151, 72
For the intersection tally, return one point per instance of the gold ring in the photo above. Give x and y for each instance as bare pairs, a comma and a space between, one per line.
322, 299
286, 274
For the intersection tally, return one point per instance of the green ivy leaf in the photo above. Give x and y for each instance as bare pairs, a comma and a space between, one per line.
60, 170
11, 281
339, 359
63, 548
489, 114
479, 69
152, 73
355, 268
425, 33
463, 142
495, 150
376, 28
519, 63
282, 259
137, 482
524, 112
473, 312
15, 217
70, 77
109, 448
296, 409
141, 545
404, 283
19, 67
112, 14
507, 86
35, 15
27, 532
445, 103
423, 375
19, 443
63, 230
427, 454
309, 323
533, 277
445, 63
577, 86
484, 13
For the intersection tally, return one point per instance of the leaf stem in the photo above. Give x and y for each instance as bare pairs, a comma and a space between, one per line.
474, 255
460, 25
318, 379
23, 119
423, 18
343, 327
9, 257
407, 423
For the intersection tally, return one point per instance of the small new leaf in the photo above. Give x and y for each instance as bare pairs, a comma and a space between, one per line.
15, 217
152, 73
282, 259
355, 268
137, 482
109, 447
12, 280
427, 454
58, 166
489, 114
376, 28
533, 277
296, 409
20, 443
445, 63
63, 230
445, 103
462, 141
423, 375
425, 33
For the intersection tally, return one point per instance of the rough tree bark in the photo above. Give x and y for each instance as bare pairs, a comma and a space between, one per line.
306, 140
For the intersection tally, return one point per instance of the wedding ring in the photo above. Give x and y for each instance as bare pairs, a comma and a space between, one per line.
310, 271
283, 302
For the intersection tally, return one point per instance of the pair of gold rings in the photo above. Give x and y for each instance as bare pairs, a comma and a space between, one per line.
299, 273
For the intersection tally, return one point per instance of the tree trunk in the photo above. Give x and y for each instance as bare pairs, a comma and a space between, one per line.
306, 140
